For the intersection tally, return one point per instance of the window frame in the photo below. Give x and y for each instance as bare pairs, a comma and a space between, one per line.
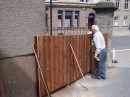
88, 1
108, 0
116, 20
61, 23
54, 0
82, 1
118, 2
76, 17
126, 3
126, 21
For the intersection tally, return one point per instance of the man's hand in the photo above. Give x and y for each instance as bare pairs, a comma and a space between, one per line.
96, 58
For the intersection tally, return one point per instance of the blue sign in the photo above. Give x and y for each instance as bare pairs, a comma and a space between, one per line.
91, 15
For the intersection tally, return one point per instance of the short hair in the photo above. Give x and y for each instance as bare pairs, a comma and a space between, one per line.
95, 27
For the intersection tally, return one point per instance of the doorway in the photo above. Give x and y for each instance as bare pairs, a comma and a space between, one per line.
90, 20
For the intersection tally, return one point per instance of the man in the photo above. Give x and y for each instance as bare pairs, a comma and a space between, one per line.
100, 52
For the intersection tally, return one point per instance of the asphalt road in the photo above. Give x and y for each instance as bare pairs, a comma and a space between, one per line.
120, 42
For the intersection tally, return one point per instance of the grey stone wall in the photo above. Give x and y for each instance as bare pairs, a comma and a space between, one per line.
20, 21
104, 19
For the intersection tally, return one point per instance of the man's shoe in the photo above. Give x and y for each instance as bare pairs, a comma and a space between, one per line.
94, 77
103, 77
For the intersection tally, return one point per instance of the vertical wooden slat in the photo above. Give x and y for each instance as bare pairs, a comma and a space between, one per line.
85, 55
75, 50
65, 61
71, 59
56, 62
52, 59
68, 60
40, 56
88, 53
47, 60
37, 72
78, 54
61, 61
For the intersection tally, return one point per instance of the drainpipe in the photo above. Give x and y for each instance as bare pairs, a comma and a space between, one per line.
51, 17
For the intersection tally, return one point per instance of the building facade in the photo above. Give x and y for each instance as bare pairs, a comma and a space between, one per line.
121, 20
71, 13
83, 16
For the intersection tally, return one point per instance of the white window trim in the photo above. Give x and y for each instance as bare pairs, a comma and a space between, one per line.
90, 1
119, 4
108, 0
55, 1
116, 21
128, 5
125, 21
81, 1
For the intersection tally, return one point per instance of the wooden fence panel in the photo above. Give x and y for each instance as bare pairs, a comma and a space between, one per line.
58, 62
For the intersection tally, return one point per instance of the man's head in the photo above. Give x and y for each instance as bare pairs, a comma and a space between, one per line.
94, 28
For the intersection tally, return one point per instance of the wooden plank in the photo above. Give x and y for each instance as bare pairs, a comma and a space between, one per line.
47, 60
83, 54
85, 64
68, 59
74, 61
61, 61
40, 56
52, 66
37, 71
89, 51
56, 62
65, 61
78, 55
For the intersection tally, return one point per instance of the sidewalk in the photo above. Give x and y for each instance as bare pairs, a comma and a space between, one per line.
121, 33
116, 84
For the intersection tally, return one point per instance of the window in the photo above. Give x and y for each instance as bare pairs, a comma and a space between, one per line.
125, 21
108, 0
54, 0
81, 1
76, 23
126, 4
88, 0
118, 3
59, 18
68, 18
116, 21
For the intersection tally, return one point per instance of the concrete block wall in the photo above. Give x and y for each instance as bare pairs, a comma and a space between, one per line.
20, 21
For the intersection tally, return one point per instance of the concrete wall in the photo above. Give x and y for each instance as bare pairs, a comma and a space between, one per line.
20, 21
104, 19
19, 76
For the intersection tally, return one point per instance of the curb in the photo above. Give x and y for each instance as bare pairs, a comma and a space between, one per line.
125, 34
